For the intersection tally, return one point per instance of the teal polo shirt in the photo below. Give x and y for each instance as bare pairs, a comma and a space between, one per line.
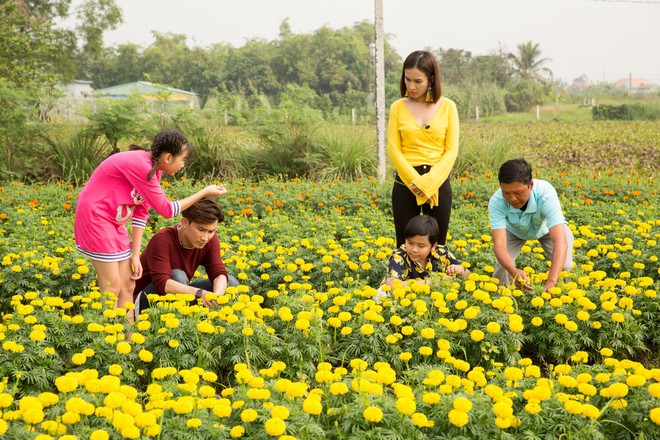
542, 213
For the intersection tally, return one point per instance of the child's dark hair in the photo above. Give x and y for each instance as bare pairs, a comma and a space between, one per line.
515, 170
170, 141
423, 225
204, 212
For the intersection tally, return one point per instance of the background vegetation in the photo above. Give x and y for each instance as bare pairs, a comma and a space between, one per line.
299, 105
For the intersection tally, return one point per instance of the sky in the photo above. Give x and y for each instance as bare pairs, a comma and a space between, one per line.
605, 40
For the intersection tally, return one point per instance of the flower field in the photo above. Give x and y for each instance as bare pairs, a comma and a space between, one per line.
301, 350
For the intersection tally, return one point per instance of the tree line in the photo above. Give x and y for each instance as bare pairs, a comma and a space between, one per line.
334, 63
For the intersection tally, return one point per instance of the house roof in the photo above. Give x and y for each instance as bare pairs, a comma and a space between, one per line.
631, 82
580, 85
141, 88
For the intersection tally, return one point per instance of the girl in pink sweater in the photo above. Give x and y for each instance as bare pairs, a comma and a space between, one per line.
123, 187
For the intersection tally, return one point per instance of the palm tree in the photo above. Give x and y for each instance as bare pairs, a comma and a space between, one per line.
528, 64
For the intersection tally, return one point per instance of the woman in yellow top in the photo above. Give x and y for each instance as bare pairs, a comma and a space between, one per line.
422, 144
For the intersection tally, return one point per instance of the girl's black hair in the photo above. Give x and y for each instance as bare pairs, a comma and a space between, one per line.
423, 225
170, 141
515, 170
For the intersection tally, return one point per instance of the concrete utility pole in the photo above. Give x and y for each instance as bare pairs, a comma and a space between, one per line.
380, 88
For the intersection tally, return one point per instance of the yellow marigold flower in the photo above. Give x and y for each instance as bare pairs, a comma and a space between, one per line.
471, 312
477, 335
533, 408
503, 423
654, 415
563, 368
312, 406
513, 373
405, 356
427, 333
582, 315
556, 302
367, 329
407, 330
516, 326
537, 301
654, 389
37, 335
222, 410
462, 404
280, 412
431, 398
237, 431
567, 381
618, 390
421, 420
99, 434
275, 426
619, 404
123, 347
146, 355
406, 405
66, 384
296, 389
458, 418
137, 338
249, 415
590, 411
184, 405
536, 321
46, 399
635, 380
503, 409
78, 359
425, 351
618, 317
194, 423
493, 327
114, 400
373, 414
172, 322
587, 389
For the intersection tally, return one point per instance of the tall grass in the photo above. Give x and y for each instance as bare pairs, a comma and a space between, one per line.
212, 157
483, 151
76, 156
344, 152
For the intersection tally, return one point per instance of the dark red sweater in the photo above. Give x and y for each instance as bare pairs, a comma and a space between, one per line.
164, 253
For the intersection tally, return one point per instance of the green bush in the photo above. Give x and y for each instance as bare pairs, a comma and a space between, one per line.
118, 119
19, 130
287, 134
626, 112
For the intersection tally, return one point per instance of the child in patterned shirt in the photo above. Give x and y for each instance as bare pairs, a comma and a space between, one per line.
421, 255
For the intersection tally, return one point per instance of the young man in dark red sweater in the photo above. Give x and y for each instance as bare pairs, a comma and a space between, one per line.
173, 255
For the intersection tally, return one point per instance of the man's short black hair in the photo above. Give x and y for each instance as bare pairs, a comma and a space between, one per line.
515, 170
204, 212
423, 225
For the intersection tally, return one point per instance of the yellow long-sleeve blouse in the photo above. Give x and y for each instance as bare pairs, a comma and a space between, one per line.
410, 145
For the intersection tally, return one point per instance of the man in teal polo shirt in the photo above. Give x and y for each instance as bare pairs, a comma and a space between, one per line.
525, 209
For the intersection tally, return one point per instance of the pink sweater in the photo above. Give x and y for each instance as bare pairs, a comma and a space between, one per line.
118, 190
